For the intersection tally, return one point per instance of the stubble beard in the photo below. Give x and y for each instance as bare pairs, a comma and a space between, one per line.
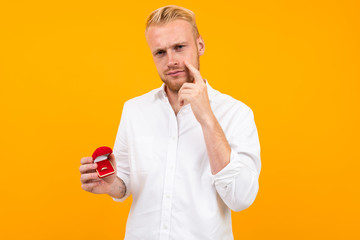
175, 85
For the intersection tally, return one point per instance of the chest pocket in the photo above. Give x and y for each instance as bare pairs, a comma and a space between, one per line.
143, 153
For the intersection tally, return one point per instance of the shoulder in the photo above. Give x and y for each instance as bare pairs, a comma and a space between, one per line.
227, 104
234, 116
143, 101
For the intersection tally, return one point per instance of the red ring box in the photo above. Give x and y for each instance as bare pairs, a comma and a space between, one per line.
101, 158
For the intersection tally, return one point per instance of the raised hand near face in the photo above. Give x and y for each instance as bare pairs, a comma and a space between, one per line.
196, 95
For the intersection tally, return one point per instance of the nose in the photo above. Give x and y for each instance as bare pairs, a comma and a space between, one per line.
172, 60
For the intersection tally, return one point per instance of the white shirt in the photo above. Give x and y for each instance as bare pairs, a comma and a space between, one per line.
162, 159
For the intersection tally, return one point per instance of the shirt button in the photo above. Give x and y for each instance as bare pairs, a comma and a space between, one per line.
165, 227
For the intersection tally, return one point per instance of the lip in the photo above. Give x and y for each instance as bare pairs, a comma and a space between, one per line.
175, 73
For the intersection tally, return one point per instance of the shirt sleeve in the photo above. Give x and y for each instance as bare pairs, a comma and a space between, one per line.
237, 183
121, 152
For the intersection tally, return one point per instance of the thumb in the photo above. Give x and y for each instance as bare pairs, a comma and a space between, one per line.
112, 159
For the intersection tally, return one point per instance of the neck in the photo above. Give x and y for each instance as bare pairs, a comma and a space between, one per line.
173, 99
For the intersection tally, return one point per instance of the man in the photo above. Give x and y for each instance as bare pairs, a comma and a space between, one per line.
187, 153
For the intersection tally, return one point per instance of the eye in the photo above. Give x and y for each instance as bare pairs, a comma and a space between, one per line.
159, 53
179, 47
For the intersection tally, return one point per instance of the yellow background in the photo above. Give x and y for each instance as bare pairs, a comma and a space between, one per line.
67, 67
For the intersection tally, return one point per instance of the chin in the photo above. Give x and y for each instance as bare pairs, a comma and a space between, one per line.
173, 87
175, 84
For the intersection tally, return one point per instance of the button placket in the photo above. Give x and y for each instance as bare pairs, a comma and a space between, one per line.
169, 177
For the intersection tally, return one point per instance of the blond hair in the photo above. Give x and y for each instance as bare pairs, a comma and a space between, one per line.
170, 13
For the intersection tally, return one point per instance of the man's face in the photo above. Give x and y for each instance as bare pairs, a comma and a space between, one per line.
170, 45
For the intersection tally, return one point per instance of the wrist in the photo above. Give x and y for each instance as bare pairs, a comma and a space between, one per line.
117, 188
208, 122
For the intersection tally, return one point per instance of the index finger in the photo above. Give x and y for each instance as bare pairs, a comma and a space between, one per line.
196, 74
86, 160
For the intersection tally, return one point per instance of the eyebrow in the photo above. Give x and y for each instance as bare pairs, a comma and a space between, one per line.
175, 44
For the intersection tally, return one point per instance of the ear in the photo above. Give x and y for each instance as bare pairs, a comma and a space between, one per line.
200, 45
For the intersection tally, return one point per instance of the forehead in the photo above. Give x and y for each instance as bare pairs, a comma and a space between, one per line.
164, 35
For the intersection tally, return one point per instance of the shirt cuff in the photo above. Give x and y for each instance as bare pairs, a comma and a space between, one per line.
226, 175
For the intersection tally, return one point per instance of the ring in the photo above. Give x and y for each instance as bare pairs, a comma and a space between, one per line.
104, 168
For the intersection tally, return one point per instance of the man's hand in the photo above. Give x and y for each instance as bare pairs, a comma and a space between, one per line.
90, 180
196, 94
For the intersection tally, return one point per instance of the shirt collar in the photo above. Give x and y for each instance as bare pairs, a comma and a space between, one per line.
210, 90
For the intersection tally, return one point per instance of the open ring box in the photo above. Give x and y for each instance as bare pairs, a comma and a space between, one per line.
101, 158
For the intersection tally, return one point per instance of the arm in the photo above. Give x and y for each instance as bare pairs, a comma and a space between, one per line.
115, 185
217, 146
235, 158
237, 183
121, 189
117, 189
196, 94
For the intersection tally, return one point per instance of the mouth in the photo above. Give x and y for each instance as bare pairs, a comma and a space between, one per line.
175, 73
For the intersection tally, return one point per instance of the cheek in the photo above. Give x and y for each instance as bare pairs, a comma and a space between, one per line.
159, 65
193, 56
193, 60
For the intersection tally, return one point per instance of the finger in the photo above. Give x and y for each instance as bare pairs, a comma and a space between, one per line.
90, 167
89, 177
85, 160
195, 73
112, 160
187, 91
185, 86
184, 99
89, 187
